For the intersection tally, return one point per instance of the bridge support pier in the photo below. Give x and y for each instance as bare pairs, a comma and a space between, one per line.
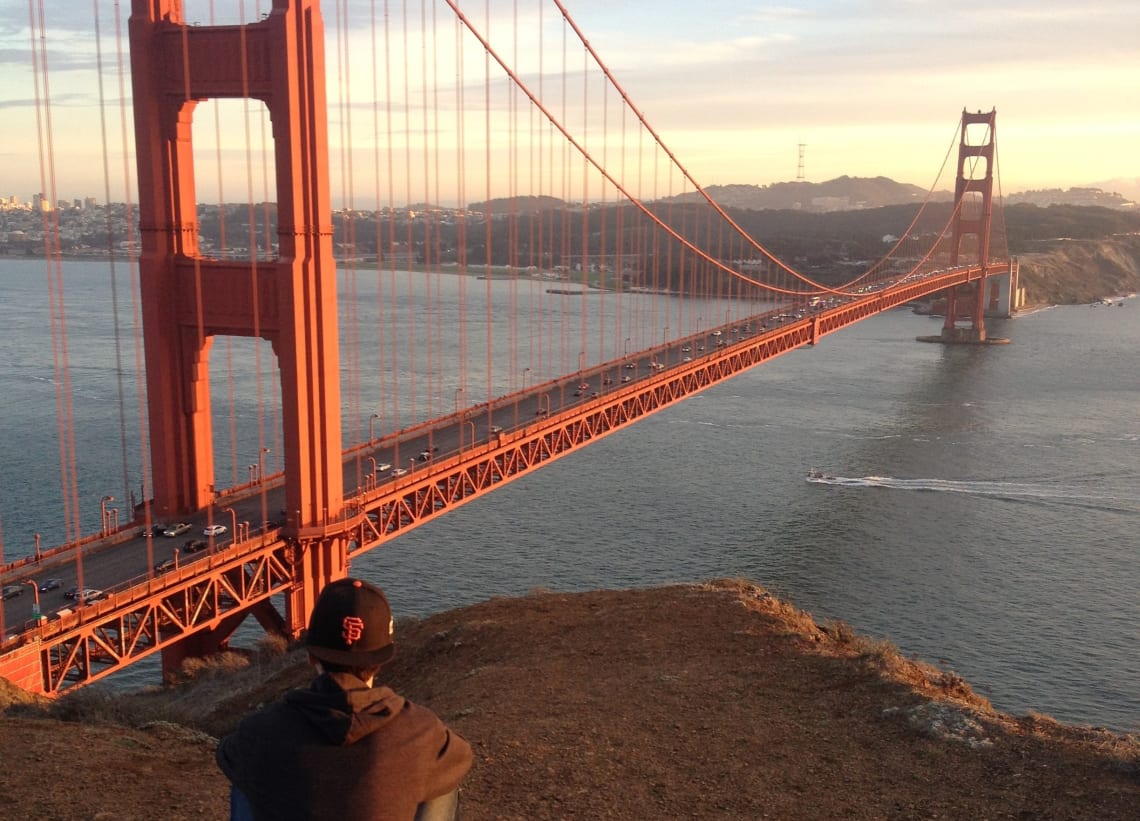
216, 639
964, 336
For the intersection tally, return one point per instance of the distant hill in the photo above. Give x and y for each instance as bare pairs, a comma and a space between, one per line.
849, 194
841, 194
1102, 197
1127, 187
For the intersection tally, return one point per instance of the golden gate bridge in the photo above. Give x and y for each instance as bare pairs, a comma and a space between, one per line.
627, 289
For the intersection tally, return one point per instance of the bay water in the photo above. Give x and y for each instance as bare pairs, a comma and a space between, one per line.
981, 506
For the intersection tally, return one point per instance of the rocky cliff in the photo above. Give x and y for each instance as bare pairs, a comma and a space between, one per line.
1069, 272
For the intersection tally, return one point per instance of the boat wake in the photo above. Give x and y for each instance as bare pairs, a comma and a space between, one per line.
1009, 491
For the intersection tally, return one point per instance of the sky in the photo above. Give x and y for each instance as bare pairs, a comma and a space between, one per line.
739, 91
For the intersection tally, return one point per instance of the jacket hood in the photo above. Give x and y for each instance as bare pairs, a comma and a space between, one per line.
343, 708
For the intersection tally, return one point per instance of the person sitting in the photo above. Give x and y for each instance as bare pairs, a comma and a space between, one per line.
343, 748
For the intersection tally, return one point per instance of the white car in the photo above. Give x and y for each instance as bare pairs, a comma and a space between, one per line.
398, 471
214, 530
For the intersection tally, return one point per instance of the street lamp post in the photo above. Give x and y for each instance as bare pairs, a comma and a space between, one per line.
371, 434
581, 361
233, 523
526, 373
372, 475
627, 339
35, 598
103, 512
261, 464
458, 392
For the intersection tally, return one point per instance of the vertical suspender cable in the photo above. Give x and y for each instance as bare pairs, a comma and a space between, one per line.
112, 258
64, 417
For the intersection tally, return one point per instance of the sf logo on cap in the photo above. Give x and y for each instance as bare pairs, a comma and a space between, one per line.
352, 628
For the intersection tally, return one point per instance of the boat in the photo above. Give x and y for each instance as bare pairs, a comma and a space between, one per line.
818, 475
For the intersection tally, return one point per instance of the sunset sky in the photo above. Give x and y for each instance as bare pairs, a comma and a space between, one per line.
733, 87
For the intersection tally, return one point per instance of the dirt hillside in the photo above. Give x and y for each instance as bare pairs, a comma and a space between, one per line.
710, 701
1075, 272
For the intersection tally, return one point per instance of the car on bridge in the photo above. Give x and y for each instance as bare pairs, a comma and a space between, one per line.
11, 591
154, 530
169, 564
50, 584
176, 529
396, 472
195, 545
89, 594
214, 530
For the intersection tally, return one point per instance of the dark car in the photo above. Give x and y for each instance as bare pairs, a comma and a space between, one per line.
72, 593
169, 564
195, 545
153, 530
50, 584
10, 591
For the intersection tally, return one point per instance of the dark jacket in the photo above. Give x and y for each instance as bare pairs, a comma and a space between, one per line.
341, 750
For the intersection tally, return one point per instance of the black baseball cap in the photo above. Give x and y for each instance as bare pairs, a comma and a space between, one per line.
351, 624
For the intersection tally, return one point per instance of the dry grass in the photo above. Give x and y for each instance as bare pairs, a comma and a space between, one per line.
581, 706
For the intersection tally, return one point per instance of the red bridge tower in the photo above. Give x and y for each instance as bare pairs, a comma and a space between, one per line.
973, 196
187, 300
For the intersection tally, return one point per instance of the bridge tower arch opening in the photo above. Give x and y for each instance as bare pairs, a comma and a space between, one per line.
288, 299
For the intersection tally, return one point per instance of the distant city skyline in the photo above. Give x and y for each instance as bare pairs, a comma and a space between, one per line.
734, 88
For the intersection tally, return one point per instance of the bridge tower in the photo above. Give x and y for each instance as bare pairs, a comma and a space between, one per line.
290, 301
973, 196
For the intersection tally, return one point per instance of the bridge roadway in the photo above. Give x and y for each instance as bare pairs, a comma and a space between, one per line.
397, 482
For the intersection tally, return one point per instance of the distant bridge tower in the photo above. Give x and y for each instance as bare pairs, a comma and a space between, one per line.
973, 196
290, 301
